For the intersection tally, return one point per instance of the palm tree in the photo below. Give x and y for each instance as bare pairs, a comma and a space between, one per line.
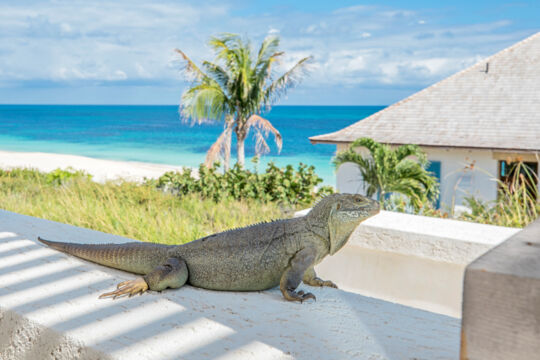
235, 89
389, 170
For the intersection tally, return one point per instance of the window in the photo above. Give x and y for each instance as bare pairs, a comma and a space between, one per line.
435, 168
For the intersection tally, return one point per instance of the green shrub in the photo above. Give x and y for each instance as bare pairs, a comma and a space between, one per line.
59, 176
286, 185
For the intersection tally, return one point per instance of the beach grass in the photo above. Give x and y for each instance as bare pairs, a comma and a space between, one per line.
133, 210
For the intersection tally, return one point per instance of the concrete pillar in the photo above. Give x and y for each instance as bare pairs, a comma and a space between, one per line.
501, 301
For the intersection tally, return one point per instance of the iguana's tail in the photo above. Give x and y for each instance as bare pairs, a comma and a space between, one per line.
135, 257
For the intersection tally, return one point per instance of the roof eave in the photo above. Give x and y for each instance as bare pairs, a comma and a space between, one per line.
336, 142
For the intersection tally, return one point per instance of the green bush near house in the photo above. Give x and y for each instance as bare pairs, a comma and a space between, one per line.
400, 170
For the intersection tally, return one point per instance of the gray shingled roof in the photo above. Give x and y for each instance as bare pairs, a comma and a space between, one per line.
493, 104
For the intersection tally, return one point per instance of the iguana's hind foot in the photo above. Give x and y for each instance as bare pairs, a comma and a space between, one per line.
172, 274
127, 288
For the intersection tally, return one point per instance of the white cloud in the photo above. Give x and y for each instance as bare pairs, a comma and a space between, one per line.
118, 75
142, 72
113, 41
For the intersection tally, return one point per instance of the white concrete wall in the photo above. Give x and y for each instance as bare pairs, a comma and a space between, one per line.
412, 260
458, 178
49, 309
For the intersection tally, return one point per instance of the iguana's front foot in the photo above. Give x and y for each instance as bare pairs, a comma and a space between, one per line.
292, 277
127, 288
301, 296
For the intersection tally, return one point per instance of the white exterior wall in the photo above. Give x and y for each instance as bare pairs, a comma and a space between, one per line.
458, 178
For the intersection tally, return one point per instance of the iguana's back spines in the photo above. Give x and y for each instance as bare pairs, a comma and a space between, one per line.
249, 226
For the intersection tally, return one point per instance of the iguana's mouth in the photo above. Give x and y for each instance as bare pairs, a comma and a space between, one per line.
353, 212
362, 211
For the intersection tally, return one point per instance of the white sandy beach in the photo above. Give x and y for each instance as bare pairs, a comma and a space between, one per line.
101, 170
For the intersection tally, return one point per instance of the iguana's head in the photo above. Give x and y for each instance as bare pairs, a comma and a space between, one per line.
343, 213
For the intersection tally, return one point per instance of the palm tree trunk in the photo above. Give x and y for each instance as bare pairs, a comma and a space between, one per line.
240, 151
240, 138
227, 156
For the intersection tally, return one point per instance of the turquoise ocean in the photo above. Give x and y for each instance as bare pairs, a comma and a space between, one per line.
156, 134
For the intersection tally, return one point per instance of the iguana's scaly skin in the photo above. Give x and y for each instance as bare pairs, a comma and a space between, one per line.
257, 257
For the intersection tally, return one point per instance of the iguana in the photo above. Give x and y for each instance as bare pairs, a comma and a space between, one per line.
252, 258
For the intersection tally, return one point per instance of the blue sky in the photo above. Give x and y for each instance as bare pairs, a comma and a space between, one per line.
121, 52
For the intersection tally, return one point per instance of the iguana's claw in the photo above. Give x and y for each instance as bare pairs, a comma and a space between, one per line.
319, 282
329, 283
127, 288
301, 296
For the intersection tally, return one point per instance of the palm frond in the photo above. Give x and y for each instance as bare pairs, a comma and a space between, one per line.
366, 142
268, 54
261, 146
269, 48
221, 148
191, 70
286, 81
407, 150
204, 103
228, 48
263, 127
347, 156
217, 73
220, 44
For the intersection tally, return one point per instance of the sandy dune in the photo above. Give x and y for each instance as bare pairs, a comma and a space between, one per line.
101, 170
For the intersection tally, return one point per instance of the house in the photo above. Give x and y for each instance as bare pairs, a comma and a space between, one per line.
471, 125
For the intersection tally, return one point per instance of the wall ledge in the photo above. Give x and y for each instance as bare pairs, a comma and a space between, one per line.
453, 241
447, 240
49, 309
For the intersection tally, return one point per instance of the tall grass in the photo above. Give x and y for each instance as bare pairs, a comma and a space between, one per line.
127, 209
517, 201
